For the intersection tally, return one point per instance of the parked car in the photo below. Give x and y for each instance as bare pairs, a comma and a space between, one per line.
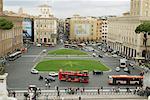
50, 78
100, 56
117, 69
94, 54
131, 64
34, 71
53, 74
126, 69
97, 72
114, 55
44, 51
38, 45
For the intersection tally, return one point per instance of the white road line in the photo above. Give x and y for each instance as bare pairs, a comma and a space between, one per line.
38, 56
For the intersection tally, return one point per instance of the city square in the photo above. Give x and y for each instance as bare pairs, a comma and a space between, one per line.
75, 50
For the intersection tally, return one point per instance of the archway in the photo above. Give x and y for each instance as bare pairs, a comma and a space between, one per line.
143, 53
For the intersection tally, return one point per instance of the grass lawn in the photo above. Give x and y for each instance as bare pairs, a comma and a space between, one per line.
66, 52
72, 65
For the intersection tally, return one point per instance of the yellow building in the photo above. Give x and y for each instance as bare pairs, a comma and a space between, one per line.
12, 39
84, 29
121, 31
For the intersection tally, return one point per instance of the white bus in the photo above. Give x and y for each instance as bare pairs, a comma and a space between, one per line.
123, 63
14, 56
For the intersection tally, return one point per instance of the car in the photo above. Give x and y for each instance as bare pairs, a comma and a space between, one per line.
126, 69
94, 54
100, 56
131, 64
117, 69
38, 45
114, 55
50, 78
44, 51
53, 74
34, 71
97, 72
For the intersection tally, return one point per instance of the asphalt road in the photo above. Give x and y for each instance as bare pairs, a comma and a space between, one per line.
20, 76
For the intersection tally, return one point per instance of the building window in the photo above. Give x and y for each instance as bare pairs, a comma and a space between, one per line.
48, 40
41, 39
37, 40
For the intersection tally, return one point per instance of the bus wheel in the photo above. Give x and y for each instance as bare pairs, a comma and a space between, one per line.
136, 83
118, 83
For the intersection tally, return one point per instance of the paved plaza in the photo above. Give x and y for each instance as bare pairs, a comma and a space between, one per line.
20, 76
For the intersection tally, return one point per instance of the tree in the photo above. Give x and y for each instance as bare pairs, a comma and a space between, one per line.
5, 24
144, 28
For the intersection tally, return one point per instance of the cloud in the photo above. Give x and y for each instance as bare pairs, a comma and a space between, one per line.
66, 8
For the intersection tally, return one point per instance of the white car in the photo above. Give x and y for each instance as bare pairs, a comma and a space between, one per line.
114, 55
53, 74
126, 69
132, 64
94, 55
34, 71
38, 45
44, 51
117, 69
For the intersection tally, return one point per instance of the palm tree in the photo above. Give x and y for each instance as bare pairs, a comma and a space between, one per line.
144, 28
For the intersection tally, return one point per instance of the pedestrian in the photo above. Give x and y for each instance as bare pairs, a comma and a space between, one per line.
83, 89
46, 84
14, 94
58, 93
98, 91
49, 84
102, 88
79, 97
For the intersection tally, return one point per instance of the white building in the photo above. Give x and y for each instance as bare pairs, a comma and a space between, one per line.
121, 31
104, 30
45, 26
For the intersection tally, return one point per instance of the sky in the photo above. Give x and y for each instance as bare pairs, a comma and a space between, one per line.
67, 8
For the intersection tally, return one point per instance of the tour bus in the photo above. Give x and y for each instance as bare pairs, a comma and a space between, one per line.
125, 80
74, 76
14, 56
123, 63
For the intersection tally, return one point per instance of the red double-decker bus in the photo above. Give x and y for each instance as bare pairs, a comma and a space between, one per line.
74, 76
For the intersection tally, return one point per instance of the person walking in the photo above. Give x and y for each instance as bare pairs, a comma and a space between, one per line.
98, 91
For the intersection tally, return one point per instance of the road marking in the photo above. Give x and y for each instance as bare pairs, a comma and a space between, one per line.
38, 56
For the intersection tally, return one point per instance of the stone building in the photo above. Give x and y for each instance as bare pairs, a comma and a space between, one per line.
121, 31
45, 26
84, 29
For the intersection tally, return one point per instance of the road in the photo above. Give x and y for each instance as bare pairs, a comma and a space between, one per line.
20, 77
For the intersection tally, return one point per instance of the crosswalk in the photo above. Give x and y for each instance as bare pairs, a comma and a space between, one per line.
53, 95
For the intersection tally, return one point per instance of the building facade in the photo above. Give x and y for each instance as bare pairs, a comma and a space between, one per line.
104, 30
61, 33
67, 29
11, 40
121, 31
83, 29
45, 26
1, 7
140, 8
